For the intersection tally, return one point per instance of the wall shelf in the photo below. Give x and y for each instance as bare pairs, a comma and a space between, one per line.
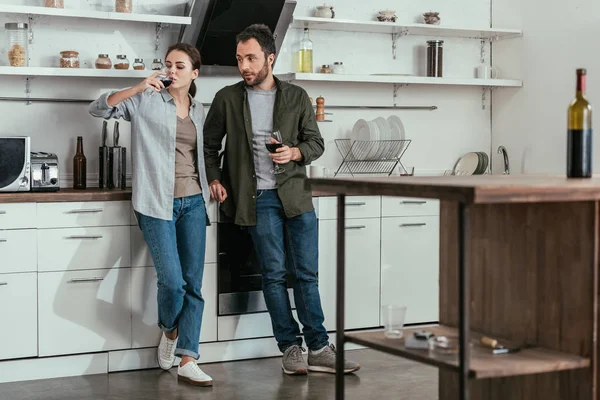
406, 29
402, 79
109, 15
74, 72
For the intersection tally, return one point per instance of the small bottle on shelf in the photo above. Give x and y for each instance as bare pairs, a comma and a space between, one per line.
304, 54
79, 166
579, 135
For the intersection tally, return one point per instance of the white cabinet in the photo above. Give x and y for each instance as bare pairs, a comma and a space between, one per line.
408, 207
17, 215
83, 248
18, 251
18, 313
410, 266
362, 272
145, 310
84, 311
81, 214
356, 207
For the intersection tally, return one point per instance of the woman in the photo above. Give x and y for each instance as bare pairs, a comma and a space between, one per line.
170, 192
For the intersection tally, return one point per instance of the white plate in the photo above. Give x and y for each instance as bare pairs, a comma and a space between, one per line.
397, 128
467, 164
360, 131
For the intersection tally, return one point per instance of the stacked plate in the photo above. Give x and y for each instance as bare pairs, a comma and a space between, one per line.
474, 163
375, 130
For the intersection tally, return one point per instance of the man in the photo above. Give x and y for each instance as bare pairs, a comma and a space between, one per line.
276, 208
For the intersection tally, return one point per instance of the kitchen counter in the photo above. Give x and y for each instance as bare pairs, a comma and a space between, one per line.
519, 262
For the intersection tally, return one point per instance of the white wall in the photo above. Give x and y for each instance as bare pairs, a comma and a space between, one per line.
558, 37
438, 137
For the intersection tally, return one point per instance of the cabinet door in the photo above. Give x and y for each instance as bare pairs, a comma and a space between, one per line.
18, 313
145, 310
18, 215
410, 266
18, 250
362, 272
84, 311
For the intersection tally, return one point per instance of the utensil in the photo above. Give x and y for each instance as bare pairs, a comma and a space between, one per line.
498, 348
117, 157
103, 158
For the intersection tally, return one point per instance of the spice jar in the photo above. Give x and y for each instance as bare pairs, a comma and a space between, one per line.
54, 3
103, 62
123, 6
338, 68
435, 58
69, 59
157, 64
17, 44
325, 69
138, 64
122, 62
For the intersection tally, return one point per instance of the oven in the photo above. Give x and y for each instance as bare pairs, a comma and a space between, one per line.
239, 277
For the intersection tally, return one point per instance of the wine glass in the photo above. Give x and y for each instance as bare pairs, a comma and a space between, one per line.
272, 147
165, 78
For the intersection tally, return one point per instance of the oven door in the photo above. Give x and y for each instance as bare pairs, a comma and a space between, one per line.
239, 273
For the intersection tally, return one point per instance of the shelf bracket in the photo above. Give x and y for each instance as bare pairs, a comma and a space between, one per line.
28, 89
159, 31
395, 37
484, 93
482, 52
30, 28
397, 87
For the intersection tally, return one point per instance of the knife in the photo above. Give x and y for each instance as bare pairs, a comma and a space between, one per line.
498, 348
103, 150
116, 134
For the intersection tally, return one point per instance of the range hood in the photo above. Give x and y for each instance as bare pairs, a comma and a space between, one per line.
215, 24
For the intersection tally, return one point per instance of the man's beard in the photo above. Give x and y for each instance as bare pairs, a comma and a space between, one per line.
261, 76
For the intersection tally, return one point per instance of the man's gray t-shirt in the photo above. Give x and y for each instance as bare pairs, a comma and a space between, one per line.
262, 103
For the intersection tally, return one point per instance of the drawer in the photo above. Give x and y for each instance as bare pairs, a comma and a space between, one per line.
408, 207
73, 215
356, 207
19, 319
18, 215
140, 256
83, 248
84, 311
19, 251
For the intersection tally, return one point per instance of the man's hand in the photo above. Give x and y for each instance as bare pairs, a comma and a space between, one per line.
285, 154
217, 191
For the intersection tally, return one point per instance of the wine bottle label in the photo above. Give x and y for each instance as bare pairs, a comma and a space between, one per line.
579, 153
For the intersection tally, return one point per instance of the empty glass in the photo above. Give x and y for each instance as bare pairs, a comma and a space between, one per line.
393, 320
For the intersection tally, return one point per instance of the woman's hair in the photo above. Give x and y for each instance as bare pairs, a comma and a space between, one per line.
193, 54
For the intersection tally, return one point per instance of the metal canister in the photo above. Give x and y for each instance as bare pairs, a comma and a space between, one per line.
435, 58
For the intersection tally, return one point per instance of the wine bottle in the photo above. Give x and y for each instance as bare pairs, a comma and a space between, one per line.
79, 166
579, 136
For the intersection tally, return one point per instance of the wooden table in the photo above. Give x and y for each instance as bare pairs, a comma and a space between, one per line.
518, 262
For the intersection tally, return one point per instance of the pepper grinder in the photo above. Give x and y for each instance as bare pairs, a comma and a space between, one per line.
320, 109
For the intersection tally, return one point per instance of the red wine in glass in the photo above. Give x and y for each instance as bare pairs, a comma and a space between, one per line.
272, 147
166, 80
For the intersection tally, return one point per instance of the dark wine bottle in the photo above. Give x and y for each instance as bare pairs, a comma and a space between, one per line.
579, 136
79, 166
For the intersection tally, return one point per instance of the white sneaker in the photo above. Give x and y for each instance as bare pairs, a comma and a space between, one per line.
191, 373
166, 352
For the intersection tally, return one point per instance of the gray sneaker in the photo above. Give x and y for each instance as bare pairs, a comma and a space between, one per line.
325, 361
293, 362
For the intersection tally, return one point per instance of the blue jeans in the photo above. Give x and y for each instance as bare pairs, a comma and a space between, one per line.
177, 248
278, 239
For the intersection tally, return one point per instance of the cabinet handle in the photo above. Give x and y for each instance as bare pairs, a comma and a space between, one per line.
415, 224
80, 280
86, 211
2, 212
413, 202
356, 227
356, 203
85, 237
3, 240
3, 283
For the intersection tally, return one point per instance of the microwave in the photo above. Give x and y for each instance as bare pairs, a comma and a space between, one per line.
15, 163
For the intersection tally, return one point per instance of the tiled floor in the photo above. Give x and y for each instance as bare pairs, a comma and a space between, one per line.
381, 377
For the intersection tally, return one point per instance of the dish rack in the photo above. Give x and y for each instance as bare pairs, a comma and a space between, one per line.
370, 156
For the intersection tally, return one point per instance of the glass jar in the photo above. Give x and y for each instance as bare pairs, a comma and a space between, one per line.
338, 68
157, 64
123, 6
69, 59
17, 44
138, 64
54, 3
103, 62
122, 62
435, 58
304, 54
325, 69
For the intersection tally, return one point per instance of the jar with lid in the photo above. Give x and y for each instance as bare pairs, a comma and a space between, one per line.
54, 3
435, 58
123, 6
157, 64
338, 68
69, 59
103, 62
138, 64
325, 69
122, 62
17, 44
